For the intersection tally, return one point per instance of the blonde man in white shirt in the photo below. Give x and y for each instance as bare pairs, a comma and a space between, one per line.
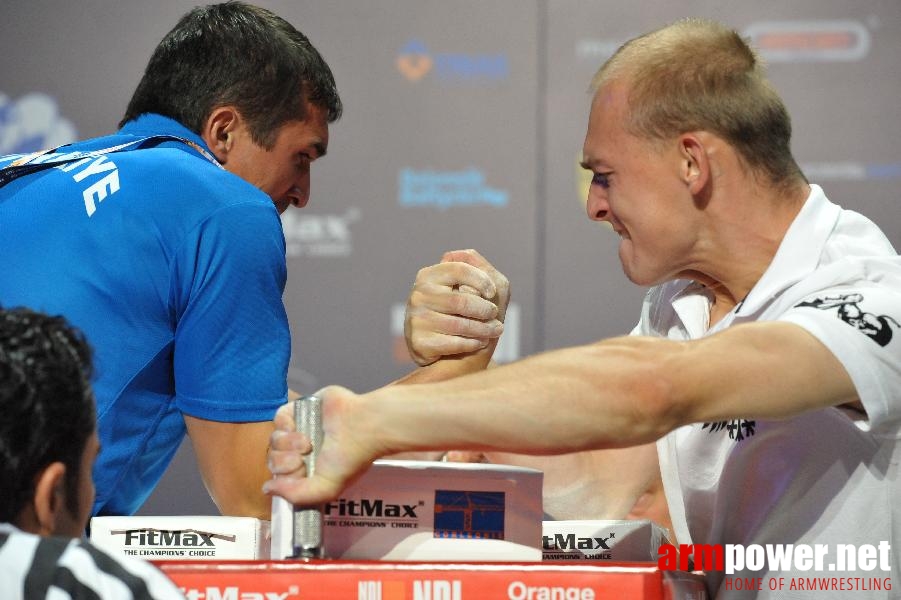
767, 361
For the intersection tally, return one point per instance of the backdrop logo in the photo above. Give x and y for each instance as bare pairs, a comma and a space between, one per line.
318, 235
508, 348
851, 171
598, 50
444, 189
32, 123
810, 41
415, 62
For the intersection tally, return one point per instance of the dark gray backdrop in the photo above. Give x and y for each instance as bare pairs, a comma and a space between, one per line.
463, 125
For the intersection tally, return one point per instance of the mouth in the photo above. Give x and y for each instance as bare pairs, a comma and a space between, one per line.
618, 230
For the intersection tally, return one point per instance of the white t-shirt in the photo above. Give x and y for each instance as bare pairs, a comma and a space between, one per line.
34, 567
828, 476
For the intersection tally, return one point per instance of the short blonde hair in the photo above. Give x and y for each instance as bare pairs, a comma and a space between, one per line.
697, 75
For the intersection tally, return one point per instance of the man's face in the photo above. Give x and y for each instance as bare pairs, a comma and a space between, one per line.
73, 525
284, 171
637, 189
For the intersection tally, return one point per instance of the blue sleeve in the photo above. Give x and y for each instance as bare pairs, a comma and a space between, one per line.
232, 340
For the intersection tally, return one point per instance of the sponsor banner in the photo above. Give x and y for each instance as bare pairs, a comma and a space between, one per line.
182, 537
321, 580
420, 510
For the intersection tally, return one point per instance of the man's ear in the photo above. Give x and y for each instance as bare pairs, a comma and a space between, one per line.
695, 162
49, 497
219, 131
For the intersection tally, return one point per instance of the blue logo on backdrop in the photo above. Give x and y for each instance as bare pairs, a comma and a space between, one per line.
471, 515
444, 189
851, 171
415, 62
32, 123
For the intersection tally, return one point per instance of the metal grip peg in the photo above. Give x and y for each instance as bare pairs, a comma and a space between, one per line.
308, 520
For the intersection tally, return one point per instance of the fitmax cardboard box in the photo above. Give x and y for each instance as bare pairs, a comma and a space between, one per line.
183, 537
422, 510
601, 540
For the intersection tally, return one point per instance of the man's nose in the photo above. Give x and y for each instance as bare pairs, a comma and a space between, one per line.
596, 206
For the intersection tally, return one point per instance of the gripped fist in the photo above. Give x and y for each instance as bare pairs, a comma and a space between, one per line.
455, 307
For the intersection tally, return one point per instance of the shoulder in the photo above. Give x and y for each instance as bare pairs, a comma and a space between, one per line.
175, 161
176, 169
856, 259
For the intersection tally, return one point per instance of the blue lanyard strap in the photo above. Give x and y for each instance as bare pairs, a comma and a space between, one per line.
38, 161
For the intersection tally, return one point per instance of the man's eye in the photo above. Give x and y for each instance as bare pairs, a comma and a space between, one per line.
601, 179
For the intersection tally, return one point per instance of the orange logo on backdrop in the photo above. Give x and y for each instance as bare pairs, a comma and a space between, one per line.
807, 40
414, 66
825, 40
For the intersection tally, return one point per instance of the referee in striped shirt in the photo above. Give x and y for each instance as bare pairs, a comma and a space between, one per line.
48, 443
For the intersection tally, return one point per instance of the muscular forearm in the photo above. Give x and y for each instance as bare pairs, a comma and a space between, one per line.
232, 462
616, 393
598, 396
619, 392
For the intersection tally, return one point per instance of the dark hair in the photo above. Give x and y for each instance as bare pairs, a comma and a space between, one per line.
46, 405
235, 54
696, 74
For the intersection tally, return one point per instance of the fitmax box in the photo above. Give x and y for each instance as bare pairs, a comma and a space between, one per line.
183, 537
601, 540
423, 510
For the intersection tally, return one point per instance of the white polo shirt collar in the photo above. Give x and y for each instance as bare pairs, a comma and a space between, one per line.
798, 254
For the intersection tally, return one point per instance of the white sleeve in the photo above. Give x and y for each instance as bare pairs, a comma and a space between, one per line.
861, 326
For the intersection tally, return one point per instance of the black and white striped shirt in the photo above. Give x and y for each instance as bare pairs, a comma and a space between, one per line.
34, 567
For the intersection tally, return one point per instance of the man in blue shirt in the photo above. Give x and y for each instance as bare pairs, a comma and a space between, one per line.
163, 244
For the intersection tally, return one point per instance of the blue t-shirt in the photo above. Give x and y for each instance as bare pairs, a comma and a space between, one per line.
174, 269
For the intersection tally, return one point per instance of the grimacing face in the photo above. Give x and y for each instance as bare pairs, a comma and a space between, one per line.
282, 172
636, 187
